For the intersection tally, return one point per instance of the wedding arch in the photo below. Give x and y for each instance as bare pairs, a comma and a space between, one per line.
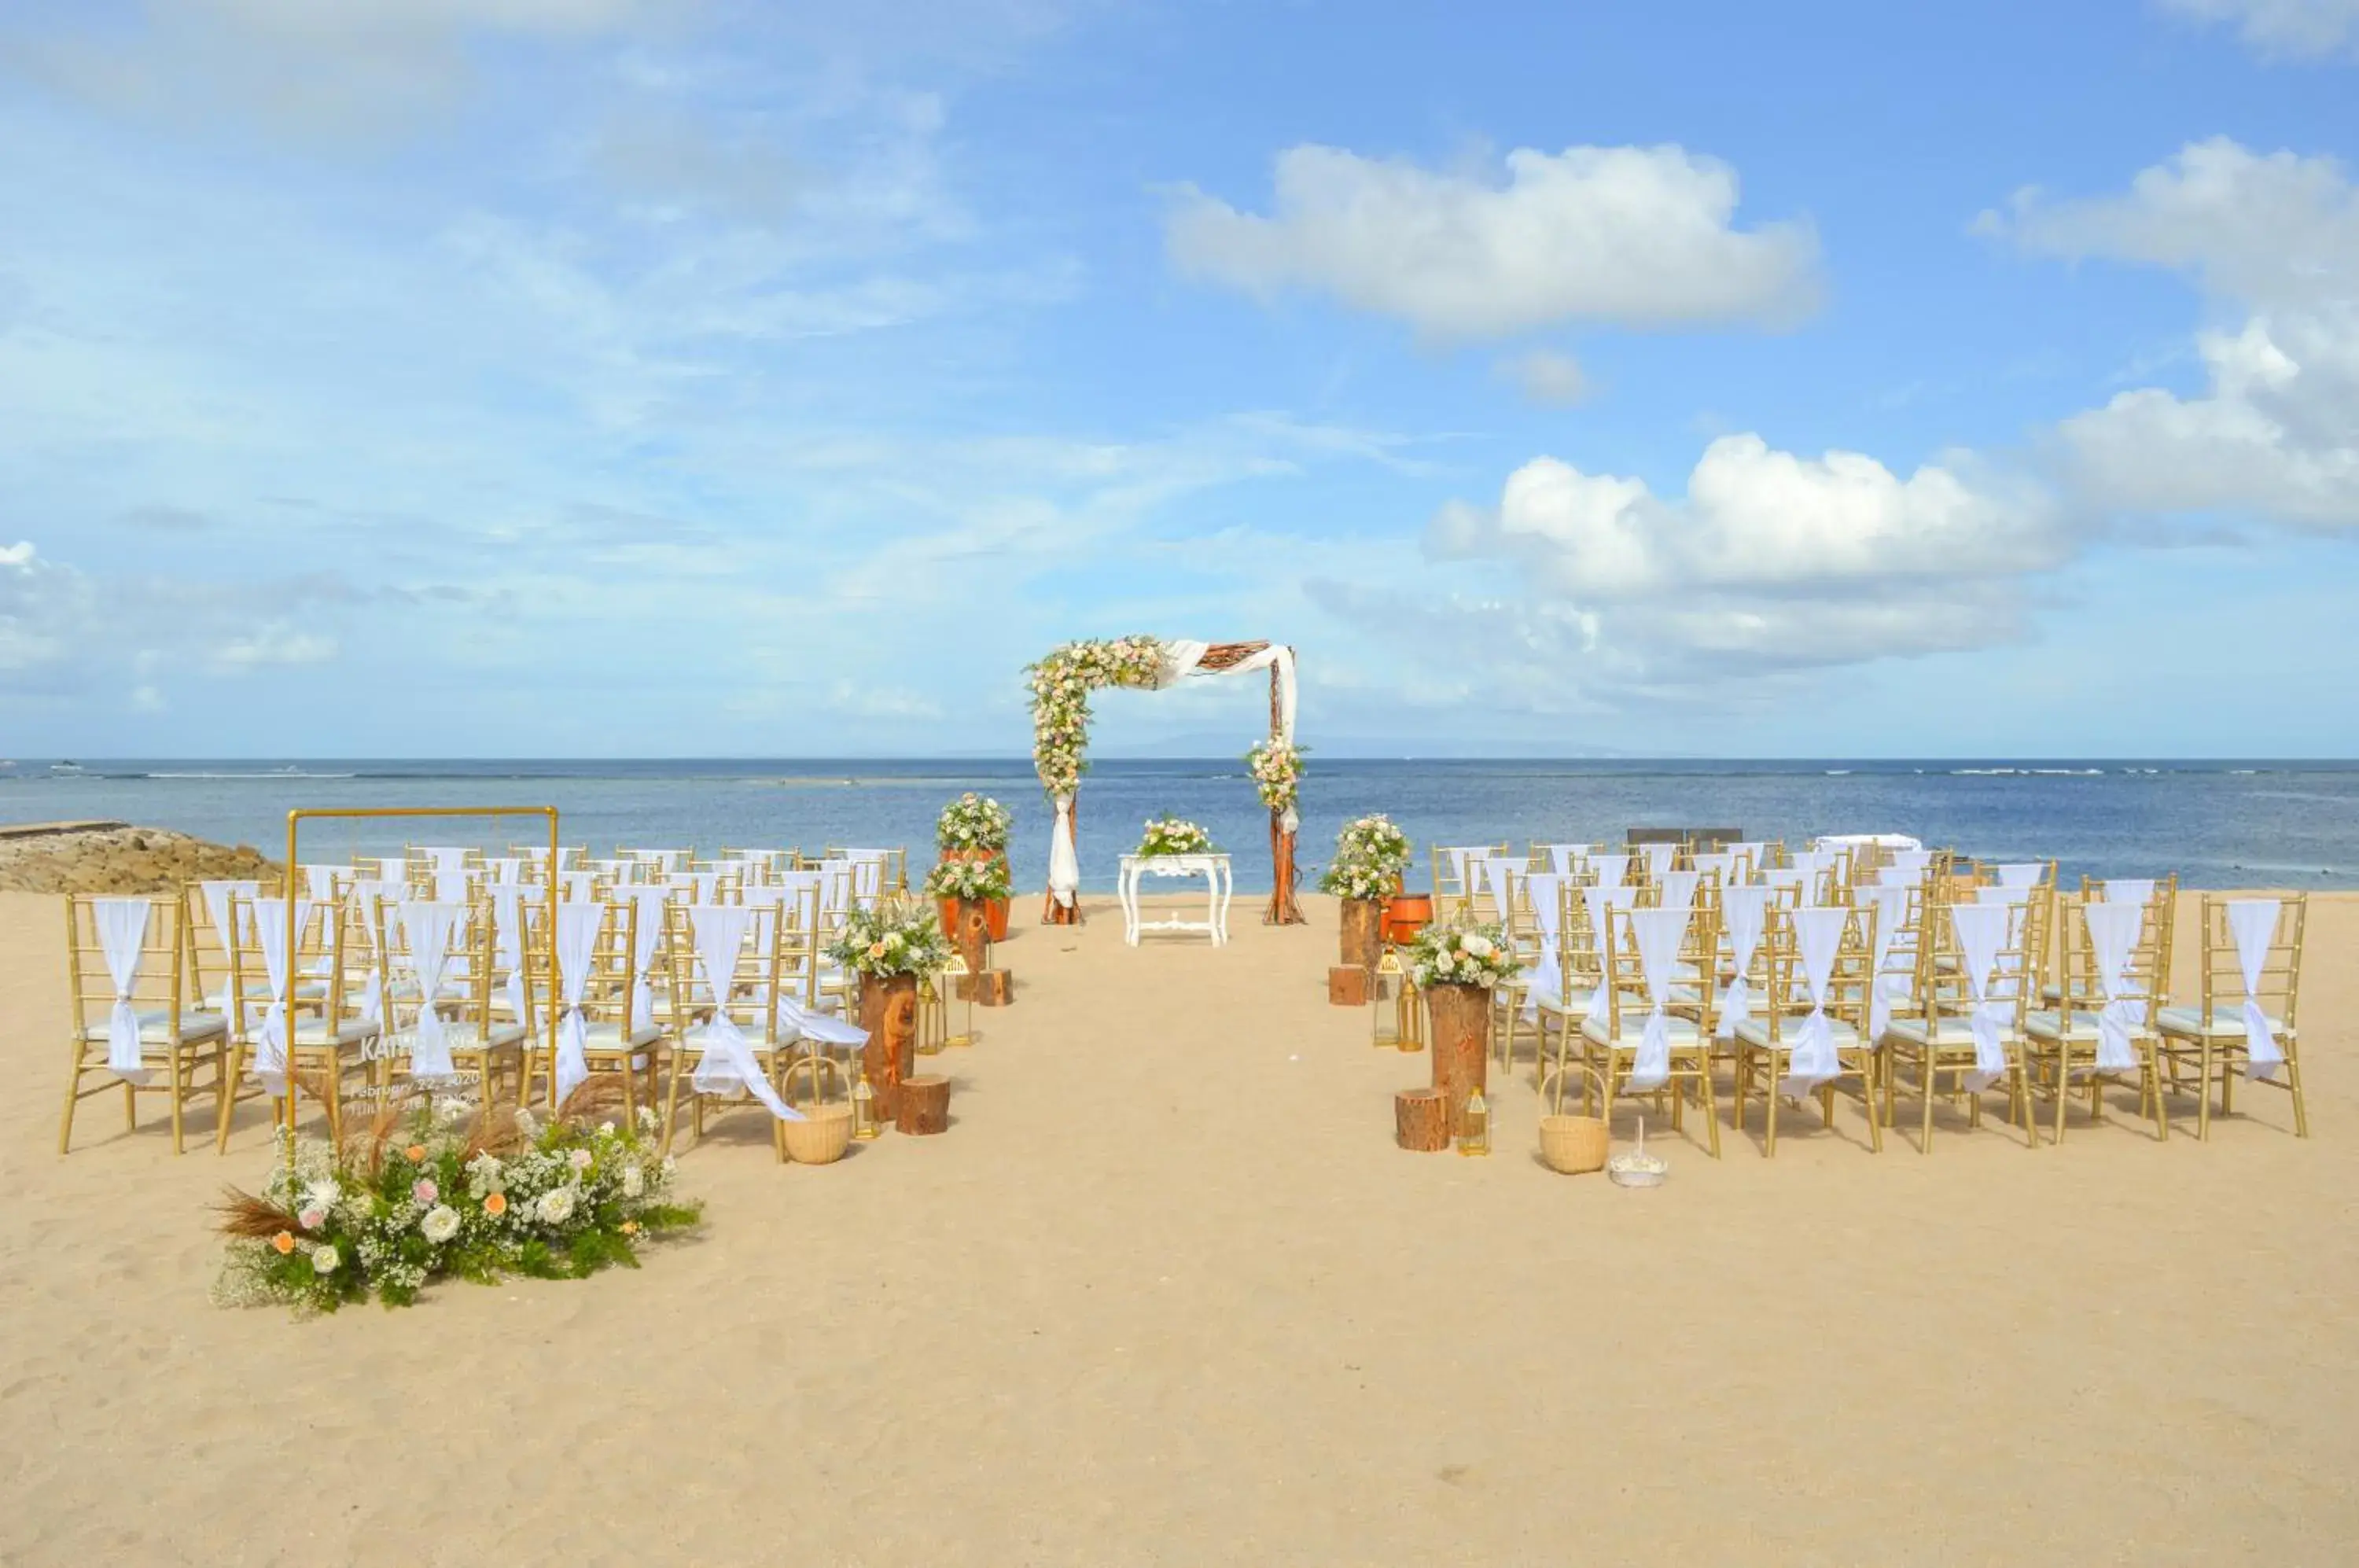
1061, 683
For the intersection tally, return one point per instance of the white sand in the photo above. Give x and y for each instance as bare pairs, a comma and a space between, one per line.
1166, 1293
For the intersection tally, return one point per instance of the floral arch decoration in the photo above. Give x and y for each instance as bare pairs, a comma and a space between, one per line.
1062, 684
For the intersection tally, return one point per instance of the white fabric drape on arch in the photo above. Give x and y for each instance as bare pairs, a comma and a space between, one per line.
1182, 657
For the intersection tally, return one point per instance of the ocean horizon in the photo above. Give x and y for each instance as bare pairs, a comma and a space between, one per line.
2215, 822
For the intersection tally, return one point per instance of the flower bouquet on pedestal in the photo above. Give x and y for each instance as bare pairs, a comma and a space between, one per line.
1167, 837
889, 947
974, 828
1370, 853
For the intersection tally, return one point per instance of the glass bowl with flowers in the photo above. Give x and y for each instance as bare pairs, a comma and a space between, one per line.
1171, 836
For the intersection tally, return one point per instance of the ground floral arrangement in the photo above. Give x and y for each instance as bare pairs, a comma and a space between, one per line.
1370, 854
1463, 955
1174, 835
1276, 768
892, 939
425, 1192
1062, 684
977, 881
972, 821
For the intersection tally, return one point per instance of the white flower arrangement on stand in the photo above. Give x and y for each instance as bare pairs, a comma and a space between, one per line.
1463, 955
1173, 835
1370, 854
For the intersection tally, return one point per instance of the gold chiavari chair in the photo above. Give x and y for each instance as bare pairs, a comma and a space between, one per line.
1579, 967
481, 1026
144, 941
620, 1035
327, 1039
744, 990
1765, 1044
2214, 1037
1932, 1030
2065, 1038
1612, 1046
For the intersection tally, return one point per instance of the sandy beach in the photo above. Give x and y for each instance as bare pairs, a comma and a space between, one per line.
1166, 1293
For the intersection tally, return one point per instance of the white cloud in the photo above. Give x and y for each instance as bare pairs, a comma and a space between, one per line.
1636, 236
2276, 28
1546, 376
1759, 521
2276, 429
2273, 229
271, 643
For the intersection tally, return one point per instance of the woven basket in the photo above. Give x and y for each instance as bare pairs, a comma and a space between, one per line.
822, 1138
1573, 1145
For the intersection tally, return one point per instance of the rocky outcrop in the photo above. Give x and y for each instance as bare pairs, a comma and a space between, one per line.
115, 857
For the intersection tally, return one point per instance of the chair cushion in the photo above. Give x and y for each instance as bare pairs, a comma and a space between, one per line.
2227, 1022
155, 1027
609, 1036
2078, 1027
1755, 1033
1634, 1025
1948, 1033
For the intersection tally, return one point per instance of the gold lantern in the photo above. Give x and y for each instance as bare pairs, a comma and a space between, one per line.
952, 973
1386, 985
1474, 1125
864, 1110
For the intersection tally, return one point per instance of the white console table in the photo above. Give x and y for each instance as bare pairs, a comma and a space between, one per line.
1218, 888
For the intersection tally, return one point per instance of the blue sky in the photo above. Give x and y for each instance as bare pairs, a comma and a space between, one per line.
705, 378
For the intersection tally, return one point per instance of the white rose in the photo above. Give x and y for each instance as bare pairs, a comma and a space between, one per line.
441, 1224
325, 1259
635, 1181
556, 1205
1480, 946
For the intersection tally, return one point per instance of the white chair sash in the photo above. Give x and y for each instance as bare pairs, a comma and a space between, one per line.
645, 933
1657, 934
507, 938
1601, 898
1720, 863
1750, 850
2127, 890
220, 899
2022, 873
1907, 867
1679, 888
577, 943
366, 891
1544, 981
1741, 913
271, 934
1566, 857
575, 887
122, 938
1890, 902
319, 882
1818, 938
426, 931
2251, 923
449, 884
1982, 931
727, 1061
506, 870
1806, 870
1658, 859
1611, 869
2113, 933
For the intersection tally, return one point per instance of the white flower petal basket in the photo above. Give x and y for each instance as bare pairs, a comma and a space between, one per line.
1637, 1167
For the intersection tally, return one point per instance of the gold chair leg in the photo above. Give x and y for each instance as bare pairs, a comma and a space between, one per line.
1710, 1101
172, 1065
73, 1096
2203, 1094
2293, 1082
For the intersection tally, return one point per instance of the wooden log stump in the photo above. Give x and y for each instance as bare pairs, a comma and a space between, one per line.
1347, 987
1461, 1017
1362, 939
925, 1107
969, 931
991, 989
1421, 1120
888, 1011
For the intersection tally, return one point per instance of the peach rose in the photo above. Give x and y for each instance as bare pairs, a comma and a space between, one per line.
417, 1152
284, 1241
496, 1205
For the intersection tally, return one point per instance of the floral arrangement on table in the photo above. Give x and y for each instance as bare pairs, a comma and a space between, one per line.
1462, 953
1173, 835
1370, 853
419, 1195
1061, 685
972, 821
1276, 765
976, 881
891, 939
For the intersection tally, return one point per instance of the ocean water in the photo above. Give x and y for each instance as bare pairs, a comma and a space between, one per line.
2217, 824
